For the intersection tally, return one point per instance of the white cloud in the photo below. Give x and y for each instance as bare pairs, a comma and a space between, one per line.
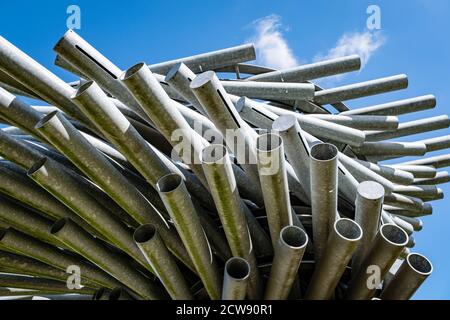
363, 44
272, 49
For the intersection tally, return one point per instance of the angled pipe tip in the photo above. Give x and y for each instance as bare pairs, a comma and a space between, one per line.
394, 235
324, 152
294, 237
132, 71
215, 153
169, 183
370, 190
419, 264
238, 269
58, 225
173, 71
348, 229
36, 167
284, 123
202, 79
268, 142
82, 89
46, 119
144, 233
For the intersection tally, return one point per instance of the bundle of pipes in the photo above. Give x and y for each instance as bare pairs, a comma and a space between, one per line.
165, 181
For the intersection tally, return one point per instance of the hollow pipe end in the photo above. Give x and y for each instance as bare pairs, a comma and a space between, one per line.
173, 71
202, 79
130, 72
419, 264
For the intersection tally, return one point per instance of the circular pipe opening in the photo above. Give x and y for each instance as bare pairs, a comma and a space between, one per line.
293, 237
46, 119
132, 70
370, 190
58, 225
348, 229
284, 122
394, 234
201, 79
82, 89
144, 233
237, 268
324, 152
173, 71
268, 142
169, 183
214, 153
419, 264
35, 167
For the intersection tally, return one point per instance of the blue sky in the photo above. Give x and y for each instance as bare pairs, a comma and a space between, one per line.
414, 39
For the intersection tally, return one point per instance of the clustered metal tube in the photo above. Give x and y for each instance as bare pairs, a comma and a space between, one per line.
264, 185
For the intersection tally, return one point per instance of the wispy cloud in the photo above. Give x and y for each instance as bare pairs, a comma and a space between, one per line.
272, 48
363, 44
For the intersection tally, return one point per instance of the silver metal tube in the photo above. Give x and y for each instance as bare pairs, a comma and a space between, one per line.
296, 148
270, 90
361, 122
410, 128
406, 226
50, 176
82, 242
289, 252
161, 261
342, 243
386, 247
215, 101
394, 175
436, 162
402, 201
235, 280
368, 205
427, 209
210, 60
218, 172
274, 184
319, 127
414, 270
29, 246
417, 191
182, 211
362, 89
324, 193
80, 54
91, 162
438, 143
396, 108
165, 115
26, 221
311, 71
441, 177
391, 149
418, 171
415, 222
37, 78
180, 77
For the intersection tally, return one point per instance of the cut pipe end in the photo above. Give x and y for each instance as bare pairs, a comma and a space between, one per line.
132, 71
36, 167
284, 123
268, 142
169, 183
419, 264
82, 89
324, 152
237, 268
294, 237
348, 229
371, 190
202, 79
173, 71
144, 233
58, 225
394, 234
215, 153
46, 119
